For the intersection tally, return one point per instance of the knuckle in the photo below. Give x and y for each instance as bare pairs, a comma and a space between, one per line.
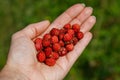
31, 25
16, 35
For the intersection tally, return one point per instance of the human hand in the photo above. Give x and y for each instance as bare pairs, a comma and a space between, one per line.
22, 54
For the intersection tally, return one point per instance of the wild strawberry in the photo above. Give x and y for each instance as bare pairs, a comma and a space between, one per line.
50, 61
63, 51
69, 47
55, 55
56, 47
41, 56
76, 27
38, 40
38, 44
46, 43
61, 43
75, 40
71, 31
48, 51
67, 26
54, 39
55, 31
61, 36
67, 37
80, 35
63, 31
57, 43
47, 36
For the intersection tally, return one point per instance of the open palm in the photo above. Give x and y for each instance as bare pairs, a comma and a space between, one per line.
22, 54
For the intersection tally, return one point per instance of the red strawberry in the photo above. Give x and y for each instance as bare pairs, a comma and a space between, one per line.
61, 36
80, 35
69, 47
54, 39
56, 47
50, 61
46, 43
38, 40
75, 40
41, 56
67, 26
48, 51
62, 51
67, 37
63, 31
55, 55
61, 43
76, 27
55, 31
47, 36
71, 31
38, 44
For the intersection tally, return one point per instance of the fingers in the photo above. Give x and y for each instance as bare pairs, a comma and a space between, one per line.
83, 16
66, 17
85, 20
33, 30
88, 24
78, 49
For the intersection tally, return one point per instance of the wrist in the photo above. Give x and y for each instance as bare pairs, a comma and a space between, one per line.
10, 73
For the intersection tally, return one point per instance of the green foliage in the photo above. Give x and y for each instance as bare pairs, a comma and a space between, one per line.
100, 60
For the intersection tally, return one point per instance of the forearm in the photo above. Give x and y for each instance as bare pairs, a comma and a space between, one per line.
12, 74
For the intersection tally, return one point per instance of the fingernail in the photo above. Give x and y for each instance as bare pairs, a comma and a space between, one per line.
83, 4
93, 19
89, 9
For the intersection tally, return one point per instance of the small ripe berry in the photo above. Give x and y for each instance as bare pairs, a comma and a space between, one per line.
55, 55
55, 31
54, 39
67, 26
46, 43
41, 56
61, 43
38, 44
48, 51
63, 51
47, 36
38, 40
75, 40
63, 31
56, 47
50, 61
67, 37
69, 47
80, 35
71, 31
76, 27
61, 36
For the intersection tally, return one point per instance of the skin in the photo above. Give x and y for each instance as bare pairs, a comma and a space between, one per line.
22, 63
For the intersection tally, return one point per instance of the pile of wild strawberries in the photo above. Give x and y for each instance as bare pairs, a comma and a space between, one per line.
57, 43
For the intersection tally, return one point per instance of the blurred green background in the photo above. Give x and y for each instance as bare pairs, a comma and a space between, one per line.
100, 60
